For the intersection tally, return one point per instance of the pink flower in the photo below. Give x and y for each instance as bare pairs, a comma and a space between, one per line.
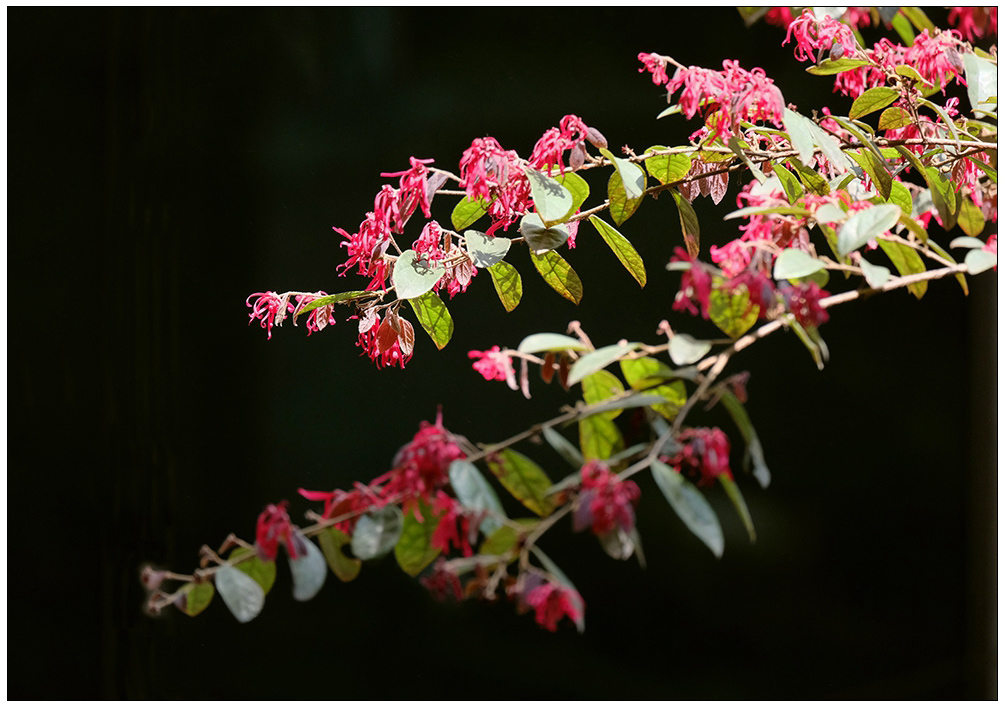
422, 466
814, 37
606, 503
384, 344
270, 308
733, 257
413, 191
803, 302
974, 22
494, 365
367, 247
727, 97
446, 535
443, 583
495, 176
656, 65
705, 452
340, 503
552, 602
319, 317
936, 59
778, 16
695, 283
274, 527
571, 135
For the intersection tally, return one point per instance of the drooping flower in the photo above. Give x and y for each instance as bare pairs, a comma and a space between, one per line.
695, 283
496, 177
319, 317
273, 528
815, 36
803, 302
446, 535
727, 97
551, 602
494, 365
704, 452
412, 192
655, 64
367, 247
606, 502
974, 23
570, 135
269, 307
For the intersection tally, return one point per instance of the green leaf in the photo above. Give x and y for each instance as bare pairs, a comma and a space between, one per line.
549, 342
621, 207
541, 239
731, 310
262, 572
332, 542
623, 249
836, 66
599, 386
876, 275
599, 437
966, 242
756, 210
907, 261
330, 299
632, 176
413, 275
688, 223
830, 147
599, 359
635, 400
485, 250
308, 570
943, 194
377, 532
577, 187
667, 168
242, 595
550, 199
691, 506
797, 126
990, 171
812, 341
684, 349
557, 273
789, 182
508, 284
894, 117
900, 195
736, 497
794, 263
500, 542
414, 550
522, 478
812, 180
198, 597
903, 29
474, 492
736, 145
562, 446
644, 373
466, 213
978, 260
875, 169
971, 219
754, 450
435, 319
865, 225
918, 19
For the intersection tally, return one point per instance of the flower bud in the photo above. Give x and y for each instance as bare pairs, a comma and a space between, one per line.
596, 138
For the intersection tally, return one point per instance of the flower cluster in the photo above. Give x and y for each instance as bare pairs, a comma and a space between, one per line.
813, 37
704, 454
974, 23
495, 365
551, 602
570, 135
273, 528
495, 177
606, 502
724, 98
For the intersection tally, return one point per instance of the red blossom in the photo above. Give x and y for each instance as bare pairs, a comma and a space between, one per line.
422, 466
803, 302
413, 191
695, 283
270, 308
704, 452
496, 177
319, 317
274, 527
552, 602
974, 22
814, 36
571, 135
606, 502
655, 64
494, 365
446, 535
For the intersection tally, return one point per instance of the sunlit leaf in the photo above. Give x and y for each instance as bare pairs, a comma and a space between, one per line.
907, 262
836, 66
549, 342
621, 207
599, 437
667, 168
789, 182
874, 99
632, 176
330, 299
539, 238
485, 250
894, 117
622, 248
978, 260
523, 478
795, 263
413, 275
688, 223
550, 199
557, 273
466, 213
308, 569
684, 349
865, 225
577, 187
508, 284
875, 275
730, 309
599, 359
971, 219
599, 386
434, 317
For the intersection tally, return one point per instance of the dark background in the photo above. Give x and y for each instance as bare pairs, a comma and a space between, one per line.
165, 163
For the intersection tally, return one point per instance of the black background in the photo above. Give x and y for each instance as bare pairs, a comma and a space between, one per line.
165, 163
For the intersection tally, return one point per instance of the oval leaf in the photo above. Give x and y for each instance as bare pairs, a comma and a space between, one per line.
907, 261
413, 276
377, 533
621, 207
874, 99
557, 273
632, 176
485, 250
577, 187
548, 342
894, 117
875, 275
667, 168
522, 478
466, 213
865, 225
600, 386
308, 569
684, 349
508, 284
196, 599
414, 550
564, 448
551, 200
730, 309
794, 263
691, 506
242, 595
330, 299
599, 437
978, 261
541, 239
622, 248
688, 223
599, 359
474, 492
434, 317
262, 572
332, 542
